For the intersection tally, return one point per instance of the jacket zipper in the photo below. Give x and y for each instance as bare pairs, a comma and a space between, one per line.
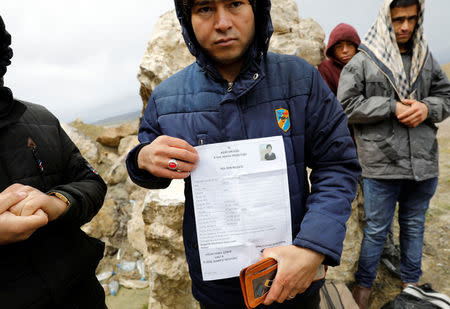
40, 165
230, 86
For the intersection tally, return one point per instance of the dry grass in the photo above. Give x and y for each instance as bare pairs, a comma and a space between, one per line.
446, 68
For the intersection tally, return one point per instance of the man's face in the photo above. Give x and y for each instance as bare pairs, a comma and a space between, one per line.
344, 51
404, 20
223, 28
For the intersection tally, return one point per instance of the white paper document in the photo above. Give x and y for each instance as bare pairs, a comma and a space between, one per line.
241, 203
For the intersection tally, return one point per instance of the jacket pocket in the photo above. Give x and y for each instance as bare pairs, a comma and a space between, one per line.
378, 142
377, 132
14, 263
424, 143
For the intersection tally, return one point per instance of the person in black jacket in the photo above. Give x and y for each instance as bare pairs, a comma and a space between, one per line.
47, 191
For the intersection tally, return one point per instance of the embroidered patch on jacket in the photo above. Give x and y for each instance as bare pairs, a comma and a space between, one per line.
284, 122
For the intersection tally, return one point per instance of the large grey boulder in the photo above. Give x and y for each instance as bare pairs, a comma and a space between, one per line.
294, 35
111, 136
155, 231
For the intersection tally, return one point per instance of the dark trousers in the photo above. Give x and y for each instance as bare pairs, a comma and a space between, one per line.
30, 292
88, 294
312, 302
380, 200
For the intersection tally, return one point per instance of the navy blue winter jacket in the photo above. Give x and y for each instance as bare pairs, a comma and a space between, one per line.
197, 105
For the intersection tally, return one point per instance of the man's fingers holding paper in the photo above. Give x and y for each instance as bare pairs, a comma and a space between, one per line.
168, 157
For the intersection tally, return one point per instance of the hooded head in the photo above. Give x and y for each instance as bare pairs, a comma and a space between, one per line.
6, 98
6, 52
342, 33
257, 48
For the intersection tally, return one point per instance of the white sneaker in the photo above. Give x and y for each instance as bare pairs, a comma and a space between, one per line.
425, 292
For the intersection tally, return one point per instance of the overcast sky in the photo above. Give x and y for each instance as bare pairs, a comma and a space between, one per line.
80, 58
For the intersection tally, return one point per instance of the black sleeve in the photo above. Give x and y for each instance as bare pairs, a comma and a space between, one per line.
148, 132
81, 184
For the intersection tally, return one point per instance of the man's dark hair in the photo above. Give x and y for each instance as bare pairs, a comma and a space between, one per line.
404, 3
187, 5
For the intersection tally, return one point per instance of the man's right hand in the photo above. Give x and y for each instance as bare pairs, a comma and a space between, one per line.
401, 108
155, 157
411, 112
17, 228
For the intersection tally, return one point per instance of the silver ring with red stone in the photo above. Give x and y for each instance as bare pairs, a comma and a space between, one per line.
172, 165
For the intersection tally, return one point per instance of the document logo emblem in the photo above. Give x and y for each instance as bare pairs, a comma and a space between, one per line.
283, 119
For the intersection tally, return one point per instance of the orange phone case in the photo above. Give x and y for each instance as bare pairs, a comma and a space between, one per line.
257, 279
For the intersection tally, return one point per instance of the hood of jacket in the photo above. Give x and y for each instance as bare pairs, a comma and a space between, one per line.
258, 48
342, 32
10, 110
380, 44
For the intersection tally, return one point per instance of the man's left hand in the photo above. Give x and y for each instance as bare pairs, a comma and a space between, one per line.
296, 270
35, 200
415, 115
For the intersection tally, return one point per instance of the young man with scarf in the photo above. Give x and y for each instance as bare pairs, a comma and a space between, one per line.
232, 92
342, 46
394, 92
47, 191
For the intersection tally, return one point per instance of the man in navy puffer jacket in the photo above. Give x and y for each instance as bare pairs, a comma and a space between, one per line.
232, 92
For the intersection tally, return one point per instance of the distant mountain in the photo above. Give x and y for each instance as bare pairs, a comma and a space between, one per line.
446, 68
118, 120
132, 116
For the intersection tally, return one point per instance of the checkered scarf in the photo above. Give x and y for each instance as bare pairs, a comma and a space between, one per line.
380, 44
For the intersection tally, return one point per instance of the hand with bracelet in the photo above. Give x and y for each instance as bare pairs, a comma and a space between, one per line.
51, 205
